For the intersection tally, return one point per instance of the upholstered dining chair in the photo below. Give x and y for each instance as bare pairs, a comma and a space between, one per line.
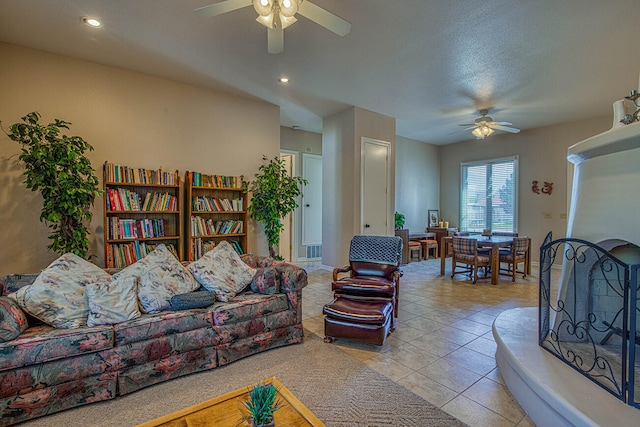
465, 252
518, 254
366, 302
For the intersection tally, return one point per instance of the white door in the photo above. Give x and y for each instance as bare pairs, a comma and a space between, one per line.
312, 200
375, 182
285, 248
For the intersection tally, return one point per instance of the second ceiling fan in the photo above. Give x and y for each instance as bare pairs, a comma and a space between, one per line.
277, 15
485, 126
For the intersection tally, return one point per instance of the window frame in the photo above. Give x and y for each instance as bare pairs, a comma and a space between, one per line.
488, 213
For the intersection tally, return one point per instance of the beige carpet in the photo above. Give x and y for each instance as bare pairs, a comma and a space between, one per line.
339, 389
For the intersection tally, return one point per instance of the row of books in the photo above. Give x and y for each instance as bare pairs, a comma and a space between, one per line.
125, 174
133, 229
199, 247
202, 180
214, 204
122, 254
208, 227
122, 199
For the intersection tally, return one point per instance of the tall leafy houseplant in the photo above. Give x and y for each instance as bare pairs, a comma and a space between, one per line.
56, 165
273, 196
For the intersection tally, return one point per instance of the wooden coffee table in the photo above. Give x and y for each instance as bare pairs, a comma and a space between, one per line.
227, 410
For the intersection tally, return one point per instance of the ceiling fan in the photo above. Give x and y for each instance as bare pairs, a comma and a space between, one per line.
485, 126
277, 15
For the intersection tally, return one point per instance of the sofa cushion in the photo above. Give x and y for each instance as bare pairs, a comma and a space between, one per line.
112, 302
150, 326
161, 277
248, 306
197, 299
41, 344
13, 321
222, 271
57, 295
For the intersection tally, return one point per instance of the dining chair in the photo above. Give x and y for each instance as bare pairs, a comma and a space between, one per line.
465, 252
518, 254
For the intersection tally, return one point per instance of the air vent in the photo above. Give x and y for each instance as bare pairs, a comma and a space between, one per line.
314, 252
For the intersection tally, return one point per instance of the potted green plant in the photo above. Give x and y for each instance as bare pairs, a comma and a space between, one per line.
273, 196
56, 165
262, 403
399, 220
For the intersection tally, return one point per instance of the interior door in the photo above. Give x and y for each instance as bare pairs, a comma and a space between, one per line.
285, 248
375, 181
312, 200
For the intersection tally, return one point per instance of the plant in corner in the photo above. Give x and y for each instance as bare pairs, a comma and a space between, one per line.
399, 220
262, 404
56, 165
273, 196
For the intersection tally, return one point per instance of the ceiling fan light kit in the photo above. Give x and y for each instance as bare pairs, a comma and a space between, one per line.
277, 15
484, 126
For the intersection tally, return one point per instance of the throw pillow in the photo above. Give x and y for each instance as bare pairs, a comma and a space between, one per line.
197, 299
266, 281
222, 271
161, 276
57, 295
13, 321
112, 302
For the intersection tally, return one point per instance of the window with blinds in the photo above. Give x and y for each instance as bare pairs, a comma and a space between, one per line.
488, 195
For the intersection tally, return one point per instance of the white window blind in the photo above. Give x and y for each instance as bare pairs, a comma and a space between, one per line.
488, 195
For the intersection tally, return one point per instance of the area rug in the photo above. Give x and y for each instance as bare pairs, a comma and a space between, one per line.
339, 389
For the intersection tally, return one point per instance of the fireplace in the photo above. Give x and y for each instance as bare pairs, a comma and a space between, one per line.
590, 323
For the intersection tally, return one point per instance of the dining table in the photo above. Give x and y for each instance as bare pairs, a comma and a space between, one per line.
493, 242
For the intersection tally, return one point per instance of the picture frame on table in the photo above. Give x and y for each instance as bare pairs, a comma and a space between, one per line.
434, 217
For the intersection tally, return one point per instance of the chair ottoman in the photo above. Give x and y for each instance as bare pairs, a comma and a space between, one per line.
363, 321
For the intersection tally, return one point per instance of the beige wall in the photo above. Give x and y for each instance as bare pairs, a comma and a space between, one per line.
417, 181
129, 118
542, 156
300, 142
341, 145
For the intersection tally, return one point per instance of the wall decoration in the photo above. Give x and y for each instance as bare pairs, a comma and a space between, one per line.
547, 187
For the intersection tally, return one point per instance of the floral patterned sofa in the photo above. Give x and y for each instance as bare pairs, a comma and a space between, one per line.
47, 369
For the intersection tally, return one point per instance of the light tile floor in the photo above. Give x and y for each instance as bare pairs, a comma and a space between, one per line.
442, 348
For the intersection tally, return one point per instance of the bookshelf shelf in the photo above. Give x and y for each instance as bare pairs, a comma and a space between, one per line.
142, 208
213, 203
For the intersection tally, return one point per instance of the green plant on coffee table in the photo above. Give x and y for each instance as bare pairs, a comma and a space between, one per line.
262, 404
56, 165
399, 220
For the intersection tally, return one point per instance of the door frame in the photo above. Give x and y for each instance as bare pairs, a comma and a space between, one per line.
294, 215
305, 242
363, 141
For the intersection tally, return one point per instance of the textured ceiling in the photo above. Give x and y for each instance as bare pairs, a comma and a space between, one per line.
431, 64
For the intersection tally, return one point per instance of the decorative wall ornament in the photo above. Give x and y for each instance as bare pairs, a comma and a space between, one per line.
547, 187
635, 116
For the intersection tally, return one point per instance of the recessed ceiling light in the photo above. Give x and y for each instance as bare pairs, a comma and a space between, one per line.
92, 22
283, 79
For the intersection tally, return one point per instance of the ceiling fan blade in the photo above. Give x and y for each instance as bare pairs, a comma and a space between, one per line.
275, 40
221, 7
504, 128
503, 123
324, 18
469, 124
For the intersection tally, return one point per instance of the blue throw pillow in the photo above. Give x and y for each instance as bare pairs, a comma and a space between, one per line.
197, 299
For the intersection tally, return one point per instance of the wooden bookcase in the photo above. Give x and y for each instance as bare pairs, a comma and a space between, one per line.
142, 209
215, 211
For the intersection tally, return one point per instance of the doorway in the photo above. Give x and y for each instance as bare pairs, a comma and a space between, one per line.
375, 181
286, 245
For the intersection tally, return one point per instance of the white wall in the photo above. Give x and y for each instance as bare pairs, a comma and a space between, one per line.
341, 145
417, 182
542, 156
129, 118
